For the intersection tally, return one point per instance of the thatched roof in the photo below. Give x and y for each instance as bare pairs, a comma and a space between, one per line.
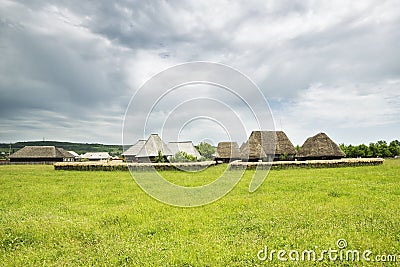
47, 152
283, 144
65, 153
152, 146
320, 146
263, 143
186, 146
244, 149
228, 150
133, 150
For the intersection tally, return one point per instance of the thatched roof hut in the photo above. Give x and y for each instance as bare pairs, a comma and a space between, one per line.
130, 153
283, 145
151, 148
262, 145
228, 151
320, 146
41, 154
186, 146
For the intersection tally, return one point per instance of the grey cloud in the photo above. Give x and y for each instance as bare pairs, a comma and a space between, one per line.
80, 61
54, 72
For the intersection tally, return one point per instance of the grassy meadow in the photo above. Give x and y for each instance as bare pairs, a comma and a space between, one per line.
69, 218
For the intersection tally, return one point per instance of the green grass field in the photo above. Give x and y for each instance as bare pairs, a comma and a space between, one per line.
74, 218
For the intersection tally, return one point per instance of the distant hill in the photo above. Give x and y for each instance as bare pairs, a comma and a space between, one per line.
80, 148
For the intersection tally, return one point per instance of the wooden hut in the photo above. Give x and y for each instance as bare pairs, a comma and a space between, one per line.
41, 154
227, 152
320, 146
151, 149
267, 146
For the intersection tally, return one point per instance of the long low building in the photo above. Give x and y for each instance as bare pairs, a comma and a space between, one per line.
41, 154
94, 156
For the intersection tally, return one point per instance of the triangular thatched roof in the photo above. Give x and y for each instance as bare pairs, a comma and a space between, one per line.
283, 144
320, 146
152, 146
133, 150
186, 147
228, 150
264, 143
47, 152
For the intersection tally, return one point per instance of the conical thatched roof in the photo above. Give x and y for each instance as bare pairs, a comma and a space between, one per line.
47, 152
320, 146
264, 143
228, 150
133, 150
186, 147
152, 146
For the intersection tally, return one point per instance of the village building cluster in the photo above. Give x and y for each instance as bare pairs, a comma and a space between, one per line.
260, 146
56, 154
275, 145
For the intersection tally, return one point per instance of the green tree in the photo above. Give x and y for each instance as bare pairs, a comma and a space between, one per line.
363, 151
206, 150
378, 149
373, 148
383, 149
350, 152
394, 148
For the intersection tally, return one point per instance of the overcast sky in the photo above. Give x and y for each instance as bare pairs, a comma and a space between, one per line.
68, 69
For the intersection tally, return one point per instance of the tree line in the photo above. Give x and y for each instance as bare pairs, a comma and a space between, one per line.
379, 149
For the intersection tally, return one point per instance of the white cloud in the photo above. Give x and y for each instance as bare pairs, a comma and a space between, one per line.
350, 105
347, 106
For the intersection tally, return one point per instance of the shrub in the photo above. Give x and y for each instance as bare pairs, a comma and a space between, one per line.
160, 157
182, 156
